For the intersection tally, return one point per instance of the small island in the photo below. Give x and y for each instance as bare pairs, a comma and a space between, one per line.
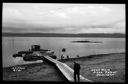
86, 42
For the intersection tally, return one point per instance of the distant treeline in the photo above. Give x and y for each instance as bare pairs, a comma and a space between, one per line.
104, 35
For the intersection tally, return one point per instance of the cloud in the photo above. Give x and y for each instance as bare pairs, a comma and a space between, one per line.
117, 26
67, 18
88, 10
58, 14
65, 15
101, 30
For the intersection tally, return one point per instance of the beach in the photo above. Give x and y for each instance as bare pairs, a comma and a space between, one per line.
98, 68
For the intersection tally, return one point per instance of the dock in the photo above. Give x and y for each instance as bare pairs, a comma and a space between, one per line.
65, 70
35, 53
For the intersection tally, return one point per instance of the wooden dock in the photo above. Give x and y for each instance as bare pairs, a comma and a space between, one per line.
65, 69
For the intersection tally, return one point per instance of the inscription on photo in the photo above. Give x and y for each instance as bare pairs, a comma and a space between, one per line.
103, 72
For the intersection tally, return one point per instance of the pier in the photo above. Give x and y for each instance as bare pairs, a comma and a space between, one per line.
65, 70
35, 53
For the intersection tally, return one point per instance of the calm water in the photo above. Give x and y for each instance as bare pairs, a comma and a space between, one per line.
11, 45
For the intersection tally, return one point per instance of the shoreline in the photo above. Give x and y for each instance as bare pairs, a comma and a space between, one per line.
112, 61
89, 56
89, 35
71, 59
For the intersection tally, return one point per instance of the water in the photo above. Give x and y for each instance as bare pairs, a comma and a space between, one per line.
11, 45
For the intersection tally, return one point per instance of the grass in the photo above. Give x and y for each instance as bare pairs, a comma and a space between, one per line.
114, 62
46, 72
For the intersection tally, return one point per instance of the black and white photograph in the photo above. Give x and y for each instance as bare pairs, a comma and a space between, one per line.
63, 42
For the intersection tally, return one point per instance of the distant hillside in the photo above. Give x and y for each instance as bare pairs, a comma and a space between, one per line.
105, 35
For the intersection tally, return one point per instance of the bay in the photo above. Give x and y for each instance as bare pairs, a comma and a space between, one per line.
11, 45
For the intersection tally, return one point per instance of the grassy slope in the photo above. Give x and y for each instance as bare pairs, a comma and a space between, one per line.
33, 72
114, 62
45, 72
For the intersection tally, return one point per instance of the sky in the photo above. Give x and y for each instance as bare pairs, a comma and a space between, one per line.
63, 18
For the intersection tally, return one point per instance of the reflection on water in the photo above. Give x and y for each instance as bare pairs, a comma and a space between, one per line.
11, 45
